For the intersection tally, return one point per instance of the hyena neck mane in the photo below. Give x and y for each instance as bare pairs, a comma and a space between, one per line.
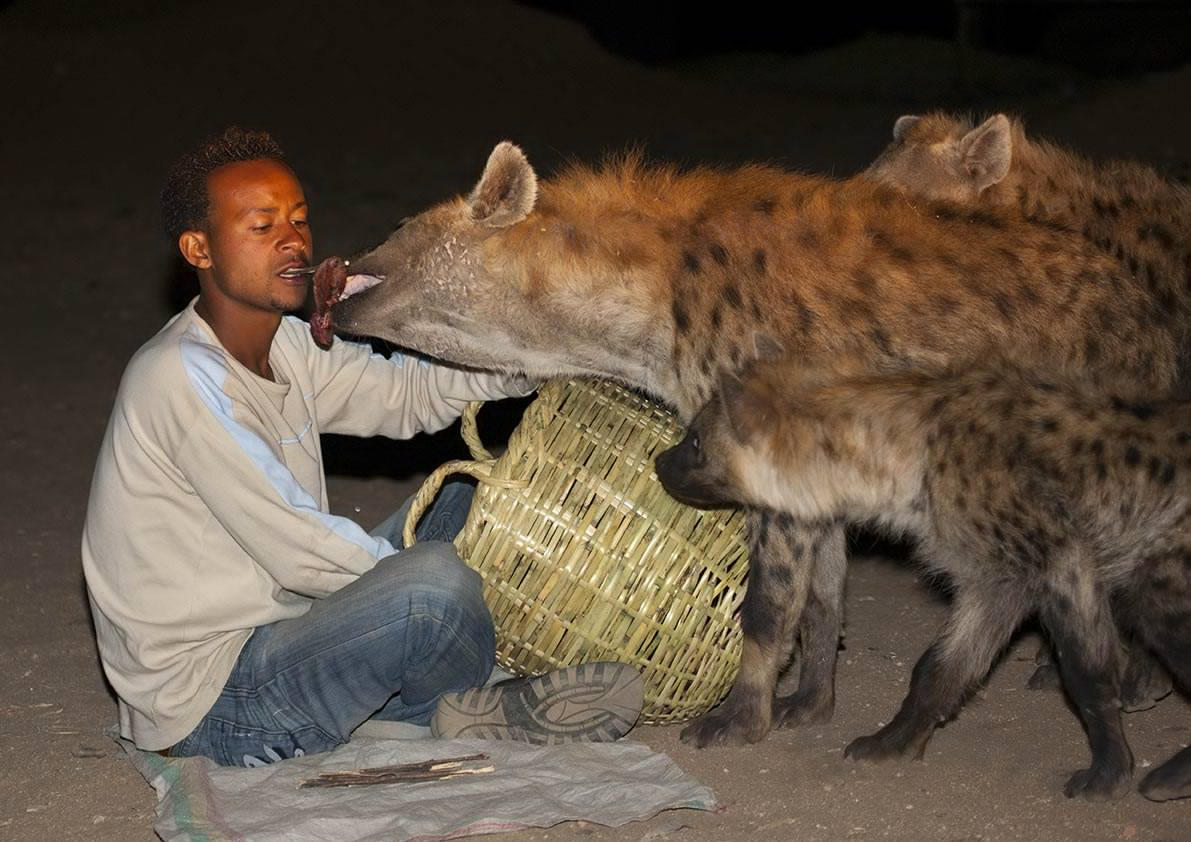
1125, 207
1116, 204
591, 260
696, 273
1049, 180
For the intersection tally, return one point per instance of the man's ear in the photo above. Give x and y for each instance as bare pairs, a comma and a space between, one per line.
194, 248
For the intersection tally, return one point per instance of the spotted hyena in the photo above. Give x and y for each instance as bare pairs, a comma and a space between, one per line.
665, 279
1125, 207
1033, 495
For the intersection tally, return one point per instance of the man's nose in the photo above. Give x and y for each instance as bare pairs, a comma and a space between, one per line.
293, 237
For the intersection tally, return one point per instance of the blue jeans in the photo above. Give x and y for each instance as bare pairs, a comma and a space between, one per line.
384, 647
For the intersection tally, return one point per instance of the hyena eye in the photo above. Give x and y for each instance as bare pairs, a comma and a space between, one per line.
695, 441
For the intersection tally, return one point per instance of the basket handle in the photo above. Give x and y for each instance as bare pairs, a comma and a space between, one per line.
470, 431
429, 490
481, 470
433, 483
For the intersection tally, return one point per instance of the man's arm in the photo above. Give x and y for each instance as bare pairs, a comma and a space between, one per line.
362, 393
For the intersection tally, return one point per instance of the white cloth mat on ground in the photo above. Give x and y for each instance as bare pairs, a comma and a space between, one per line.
531, 786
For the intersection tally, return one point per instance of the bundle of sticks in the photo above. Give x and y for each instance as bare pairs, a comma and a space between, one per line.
427, 770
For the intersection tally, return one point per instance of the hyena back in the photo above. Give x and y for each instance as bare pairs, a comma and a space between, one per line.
665, 280
1125, 207
1034, 496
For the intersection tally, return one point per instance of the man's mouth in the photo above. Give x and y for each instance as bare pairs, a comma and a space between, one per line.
295, 273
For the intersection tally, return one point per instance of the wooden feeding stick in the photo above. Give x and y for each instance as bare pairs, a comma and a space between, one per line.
427, 770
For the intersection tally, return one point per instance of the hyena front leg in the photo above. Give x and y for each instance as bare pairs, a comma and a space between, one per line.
777, 588
819, 628
983, 618
1087, 646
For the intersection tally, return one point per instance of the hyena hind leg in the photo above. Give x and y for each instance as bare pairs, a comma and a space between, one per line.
983, 618
819, 630
1165, 628
1046, 673
1170, 780
1088, 649
1144, 684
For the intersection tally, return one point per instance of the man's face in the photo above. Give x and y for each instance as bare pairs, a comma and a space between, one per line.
257, 227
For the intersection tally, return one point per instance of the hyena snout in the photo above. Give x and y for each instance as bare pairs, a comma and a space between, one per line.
689, 478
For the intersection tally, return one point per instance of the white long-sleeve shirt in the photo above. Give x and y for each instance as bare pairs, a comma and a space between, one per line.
208, 512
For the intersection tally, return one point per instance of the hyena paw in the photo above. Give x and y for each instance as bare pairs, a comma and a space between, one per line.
1098, 783
1046, 677
1170, 780
880, 746
726, 725
803, 709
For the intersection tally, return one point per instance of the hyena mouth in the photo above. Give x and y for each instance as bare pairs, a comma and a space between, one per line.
332, 285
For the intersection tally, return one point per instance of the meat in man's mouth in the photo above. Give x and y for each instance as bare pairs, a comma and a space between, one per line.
329, 280
332, 285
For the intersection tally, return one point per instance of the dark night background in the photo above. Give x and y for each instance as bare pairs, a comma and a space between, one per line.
1099, 37
386, 107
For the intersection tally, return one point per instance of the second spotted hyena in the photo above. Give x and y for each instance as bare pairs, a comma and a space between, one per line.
1125, 207
1033, 496
665, 279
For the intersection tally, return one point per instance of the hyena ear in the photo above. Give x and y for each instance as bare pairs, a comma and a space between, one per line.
986, 151
903, 124
739, 405
507, 190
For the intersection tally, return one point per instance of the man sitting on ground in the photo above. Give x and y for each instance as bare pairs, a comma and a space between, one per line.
238, 618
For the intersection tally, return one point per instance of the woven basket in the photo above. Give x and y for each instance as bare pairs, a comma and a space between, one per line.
585, 556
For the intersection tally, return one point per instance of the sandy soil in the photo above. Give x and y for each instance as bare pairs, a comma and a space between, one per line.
384, 108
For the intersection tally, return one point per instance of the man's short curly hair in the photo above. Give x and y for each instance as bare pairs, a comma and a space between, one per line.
184, 198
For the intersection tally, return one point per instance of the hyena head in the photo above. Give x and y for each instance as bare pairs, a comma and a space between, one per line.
707, 469
818, 444
432, 290
498, 279
939, 156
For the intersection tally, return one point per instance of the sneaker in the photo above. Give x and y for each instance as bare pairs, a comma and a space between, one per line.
597, 702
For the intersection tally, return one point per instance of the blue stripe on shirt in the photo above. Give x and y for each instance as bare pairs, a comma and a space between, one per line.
207, 370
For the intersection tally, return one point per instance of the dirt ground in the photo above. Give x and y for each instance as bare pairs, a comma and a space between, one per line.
383, 108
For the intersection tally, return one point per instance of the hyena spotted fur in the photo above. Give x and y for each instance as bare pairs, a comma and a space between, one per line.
1125, 207
666, 279
1035, 496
